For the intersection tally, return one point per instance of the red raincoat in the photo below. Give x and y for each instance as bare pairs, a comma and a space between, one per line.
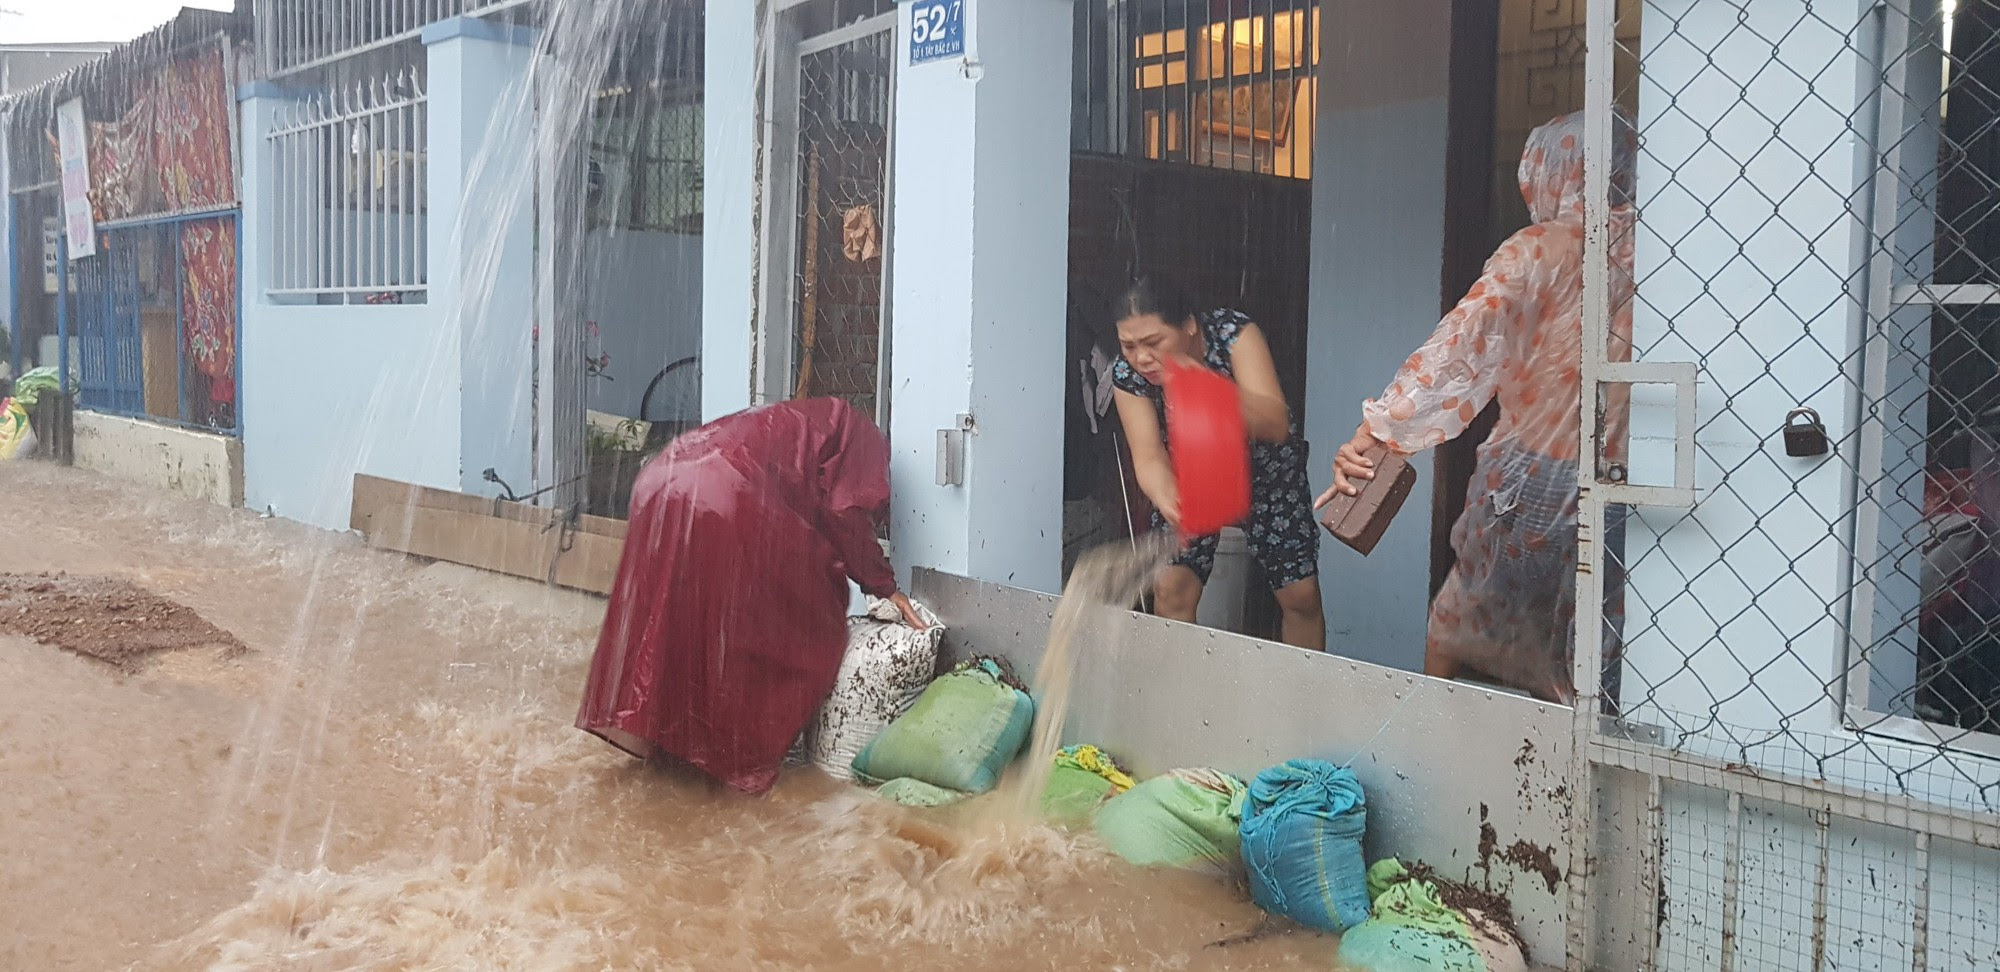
729, 616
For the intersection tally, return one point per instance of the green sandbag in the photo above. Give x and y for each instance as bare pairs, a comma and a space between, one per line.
917, 793
1073, 795
961, 733
1381, 946
1183, 819
1411, 929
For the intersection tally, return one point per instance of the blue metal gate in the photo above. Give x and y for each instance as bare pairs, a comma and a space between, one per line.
112, 371
137, 345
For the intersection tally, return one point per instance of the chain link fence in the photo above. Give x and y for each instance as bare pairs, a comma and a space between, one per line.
1805, 662
843, 166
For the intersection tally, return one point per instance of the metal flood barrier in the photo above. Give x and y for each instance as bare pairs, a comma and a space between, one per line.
1467, 780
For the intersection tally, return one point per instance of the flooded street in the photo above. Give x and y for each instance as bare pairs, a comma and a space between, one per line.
388, 779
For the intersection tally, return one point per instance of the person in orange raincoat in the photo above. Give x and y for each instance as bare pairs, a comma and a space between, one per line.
1508, 609
728, 618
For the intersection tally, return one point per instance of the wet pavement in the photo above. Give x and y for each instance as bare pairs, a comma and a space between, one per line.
388, 779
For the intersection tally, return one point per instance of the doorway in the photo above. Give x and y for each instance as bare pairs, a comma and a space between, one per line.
619, 221
823, 326
1514, 65
1192, 134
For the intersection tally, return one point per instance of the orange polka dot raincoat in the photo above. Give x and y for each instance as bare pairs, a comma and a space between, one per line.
1508, 608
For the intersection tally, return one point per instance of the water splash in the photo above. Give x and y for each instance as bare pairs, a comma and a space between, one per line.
1106, 583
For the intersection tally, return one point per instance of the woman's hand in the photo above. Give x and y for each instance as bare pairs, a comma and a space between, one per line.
1350, 464
910, 616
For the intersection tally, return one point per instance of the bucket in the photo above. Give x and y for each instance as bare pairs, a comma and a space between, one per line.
1209, 448
1221, 604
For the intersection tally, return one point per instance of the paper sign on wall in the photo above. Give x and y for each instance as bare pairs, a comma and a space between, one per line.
937, 30
73, 145
51, 230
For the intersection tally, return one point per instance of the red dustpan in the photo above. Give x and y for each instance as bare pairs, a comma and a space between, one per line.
1210, 448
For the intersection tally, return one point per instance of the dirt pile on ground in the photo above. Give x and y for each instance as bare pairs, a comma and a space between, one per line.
114, 621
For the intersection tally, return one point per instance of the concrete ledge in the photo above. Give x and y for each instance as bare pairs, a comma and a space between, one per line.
200, 465
475, 28
1453, 772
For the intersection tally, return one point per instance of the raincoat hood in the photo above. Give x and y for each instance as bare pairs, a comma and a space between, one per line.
1551, 171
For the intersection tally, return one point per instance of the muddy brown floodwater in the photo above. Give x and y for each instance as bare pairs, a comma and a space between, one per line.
387, 779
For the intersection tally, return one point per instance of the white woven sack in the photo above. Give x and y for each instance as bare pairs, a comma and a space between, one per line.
887, 665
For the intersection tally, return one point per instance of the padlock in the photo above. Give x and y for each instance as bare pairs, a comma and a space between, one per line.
1804, 439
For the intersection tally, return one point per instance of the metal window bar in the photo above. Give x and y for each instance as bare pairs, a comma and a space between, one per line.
1224, 85
295, 36
1790, 683
351, 166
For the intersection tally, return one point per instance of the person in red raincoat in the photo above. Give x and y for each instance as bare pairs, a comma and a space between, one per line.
728, 618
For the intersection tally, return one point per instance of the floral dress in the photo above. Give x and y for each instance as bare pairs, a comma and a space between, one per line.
1508, 609
1280, 531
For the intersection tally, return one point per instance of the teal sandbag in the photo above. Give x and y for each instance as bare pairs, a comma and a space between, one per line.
1302, 826
960, 734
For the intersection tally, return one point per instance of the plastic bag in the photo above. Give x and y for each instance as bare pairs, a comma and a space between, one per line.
1181, 819
1302, 828
33, 384
1083, 778
1412, 929
887, 664
961, 733
14, 431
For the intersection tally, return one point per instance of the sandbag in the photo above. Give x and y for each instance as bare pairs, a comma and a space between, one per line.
1302, 828
1412, 929
960, 734
1082, 779
1181, 819
16, 439
917, 793
887, 664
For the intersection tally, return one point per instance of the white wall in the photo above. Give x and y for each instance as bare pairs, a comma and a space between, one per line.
430, 393
1735, 610
329, 391
199, 465
480, 183
333, 391
728, 191
644, 292
981, 224
1377, 254
1708, 259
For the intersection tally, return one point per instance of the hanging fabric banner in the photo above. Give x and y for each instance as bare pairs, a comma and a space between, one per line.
73, 148
208, 309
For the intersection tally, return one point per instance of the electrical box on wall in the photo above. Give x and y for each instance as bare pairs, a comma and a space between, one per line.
951, 453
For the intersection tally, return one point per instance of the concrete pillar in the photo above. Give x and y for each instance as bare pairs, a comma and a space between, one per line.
729, 179
9, 224
1377, 247
980, 231
482, 234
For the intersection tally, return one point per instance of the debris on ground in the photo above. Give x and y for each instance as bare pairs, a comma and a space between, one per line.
109, 619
